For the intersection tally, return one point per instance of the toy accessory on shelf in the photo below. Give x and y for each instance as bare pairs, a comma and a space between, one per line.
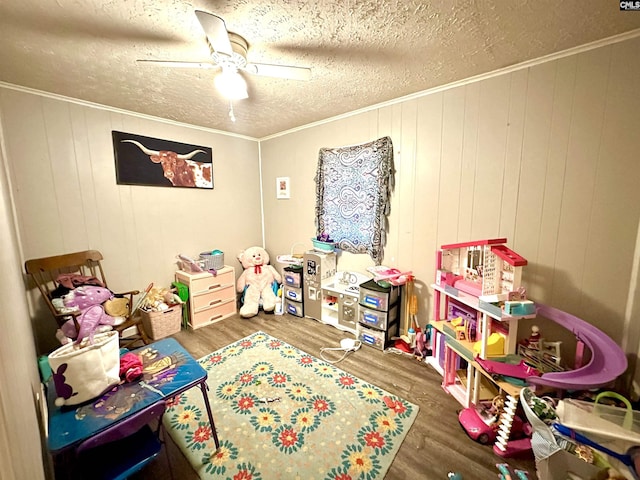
294, 258
256, 281
495, 345
323, 243
389, 276
188, 264
533, 342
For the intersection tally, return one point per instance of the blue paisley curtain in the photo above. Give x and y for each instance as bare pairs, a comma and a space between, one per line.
353, 190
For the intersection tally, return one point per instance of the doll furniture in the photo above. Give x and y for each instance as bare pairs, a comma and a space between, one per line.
45, 273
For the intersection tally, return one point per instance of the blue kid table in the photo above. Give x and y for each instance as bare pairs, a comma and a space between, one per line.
169, 370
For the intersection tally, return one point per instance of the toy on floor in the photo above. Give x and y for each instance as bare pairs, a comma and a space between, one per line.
256, 281
482, 423
507, 474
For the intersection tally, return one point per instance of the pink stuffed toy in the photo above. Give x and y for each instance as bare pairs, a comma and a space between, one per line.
130, 367
258, 277
93, 319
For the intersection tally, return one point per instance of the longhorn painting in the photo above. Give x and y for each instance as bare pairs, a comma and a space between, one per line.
150, 161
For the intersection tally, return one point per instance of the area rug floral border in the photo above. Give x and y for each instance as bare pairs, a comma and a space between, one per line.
282, 413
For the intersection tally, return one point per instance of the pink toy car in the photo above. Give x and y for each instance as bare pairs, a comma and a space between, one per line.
483, 426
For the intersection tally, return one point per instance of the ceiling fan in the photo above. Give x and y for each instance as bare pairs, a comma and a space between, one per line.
229, 53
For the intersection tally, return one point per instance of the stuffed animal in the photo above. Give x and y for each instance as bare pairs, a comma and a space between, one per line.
88, 299
258, 277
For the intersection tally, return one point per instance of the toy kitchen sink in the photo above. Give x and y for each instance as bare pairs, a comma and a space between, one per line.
340, 295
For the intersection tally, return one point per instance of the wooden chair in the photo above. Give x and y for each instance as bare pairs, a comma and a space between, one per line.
46, 271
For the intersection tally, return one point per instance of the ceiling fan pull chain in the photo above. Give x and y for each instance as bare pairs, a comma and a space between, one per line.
231, 114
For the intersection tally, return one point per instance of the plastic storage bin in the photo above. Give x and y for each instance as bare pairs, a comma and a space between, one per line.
373, 295
606, 423
376, 338
294, 294
377, 319
293, 308
293, 276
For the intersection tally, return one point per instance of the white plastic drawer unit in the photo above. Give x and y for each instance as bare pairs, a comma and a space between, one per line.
373, 295
376, 338
293, 278
211, 298
375, 318
210, 284
293, 308
212, 315
294, 294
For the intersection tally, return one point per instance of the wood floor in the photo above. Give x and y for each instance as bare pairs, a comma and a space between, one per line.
435, 445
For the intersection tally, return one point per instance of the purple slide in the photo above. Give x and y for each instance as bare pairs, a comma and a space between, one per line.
608, 360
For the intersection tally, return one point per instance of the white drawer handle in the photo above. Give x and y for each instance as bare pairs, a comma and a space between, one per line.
213, 318
215, 302
213, 287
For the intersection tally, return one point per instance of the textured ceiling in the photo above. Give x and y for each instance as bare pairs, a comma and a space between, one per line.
361, 52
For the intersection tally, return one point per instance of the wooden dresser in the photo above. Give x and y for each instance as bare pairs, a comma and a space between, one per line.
211, 298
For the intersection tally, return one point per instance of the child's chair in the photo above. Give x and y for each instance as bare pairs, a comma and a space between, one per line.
46, 272
122, 449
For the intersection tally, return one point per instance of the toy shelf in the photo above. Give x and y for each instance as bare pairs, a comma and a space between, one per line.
511, 321
475, 303
464, 349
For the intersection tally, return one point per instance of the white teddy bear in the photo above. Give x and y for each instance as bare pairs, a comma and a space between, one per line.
258, 277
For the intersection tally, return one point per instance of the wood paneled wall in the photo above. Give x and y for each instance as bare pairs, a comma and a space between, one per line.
547, 157
61, 161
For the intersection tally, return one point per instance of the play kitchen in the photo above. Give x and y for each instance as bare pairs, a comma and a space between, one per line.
351, 301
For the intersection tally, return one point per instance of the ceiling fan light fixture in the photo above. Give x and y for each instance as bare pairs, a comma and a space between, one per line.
231, 85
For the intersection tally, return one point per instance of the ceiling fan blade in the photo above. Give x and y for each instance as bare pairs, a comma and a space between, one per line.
216, 32
171, 63
279, 71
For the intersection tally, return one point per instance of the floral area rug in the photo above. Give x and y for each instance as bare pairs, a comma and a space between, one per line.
282, 413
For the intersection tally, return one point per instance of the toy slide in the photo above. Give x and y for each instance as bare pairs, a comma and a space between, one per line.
608, 360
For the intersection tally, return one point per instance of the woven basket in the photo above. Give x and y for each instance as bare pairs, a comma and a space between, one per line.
163, 323
214, 260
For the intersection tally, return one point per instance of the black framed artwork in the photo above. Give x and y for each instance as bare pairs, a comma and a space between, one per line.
151, 161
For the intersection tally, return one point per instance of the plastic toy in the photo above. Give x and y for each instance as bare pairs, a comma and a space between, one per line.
483, 267
507, 474
482, 425
495, 345
608, 360
502, 369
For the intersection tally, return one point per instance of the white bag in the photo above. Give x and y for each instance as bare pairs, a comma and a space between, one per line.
84, 372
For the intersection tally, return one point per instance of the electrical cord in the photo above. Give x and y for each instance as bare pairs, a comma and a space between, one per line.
346, 345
